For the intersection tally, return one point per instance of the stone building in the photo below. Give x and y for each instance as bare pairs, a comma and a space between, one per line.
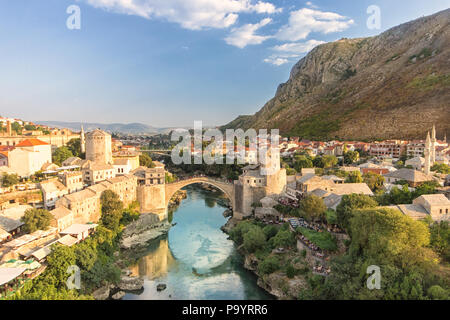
413, 177
98, 147
436, 206
151, 187
95, 172
52, 190
29, 156
258, 181
85, 204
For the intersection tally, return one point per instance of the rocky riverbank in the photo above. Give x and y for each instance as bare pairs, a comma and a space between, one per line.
143, 230
277, 283
117, 291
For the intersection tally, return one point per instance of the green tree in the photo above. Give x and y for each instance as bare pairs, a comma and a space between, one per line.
58, 261
74, 145
348, 204
329, 161
351, 157
36, 219
318, 162
270, 231
15, 126
9, 180
354, 177
440, 239
441, 168
146, 161
30, 127
283, 239
374, 181
254, 239
61, 154
390, 237
438, 293
313, 208
302, 162
111, 210
269, 265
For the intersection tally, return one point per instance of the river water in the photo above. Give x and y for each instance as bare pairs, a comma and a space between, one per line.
195, 260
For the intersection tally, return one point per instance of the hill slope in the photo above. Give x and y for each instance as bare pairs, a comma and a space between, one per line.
395, 85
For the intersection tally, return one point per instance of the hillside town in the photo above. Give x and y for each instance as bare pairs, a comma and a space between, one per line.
35, 177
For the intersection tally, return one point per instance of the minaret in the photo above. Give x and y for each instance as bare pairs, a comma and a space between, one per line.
83, 143
433, 145
426, 153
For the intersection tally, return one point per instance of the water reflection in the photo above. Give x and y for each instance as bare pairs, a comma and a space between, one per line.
196, 260
157, 263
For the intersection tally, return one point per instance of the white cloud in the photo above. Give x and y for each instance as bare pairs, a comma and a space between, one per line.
312, 5
245, 35
304, 21
190, 14
298, 47
276, 61
289, 51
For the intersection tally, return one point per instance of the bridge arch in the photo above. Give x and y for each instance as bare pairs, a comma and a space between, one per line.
226, 187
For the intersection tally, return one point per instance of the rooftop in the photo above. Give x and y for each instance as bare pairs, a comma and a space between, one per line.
435, 199
78, 228
31, 143
349, 188
409, 175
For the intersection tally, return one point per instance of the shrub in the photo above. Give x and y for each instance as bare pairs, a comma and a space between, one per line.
254, 239
290, 271
437, 293
36, 219
269, 265
283, 239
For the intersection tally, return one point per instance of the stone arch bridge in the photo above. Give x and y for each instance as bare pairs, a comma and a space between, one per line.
226, 187
155, 198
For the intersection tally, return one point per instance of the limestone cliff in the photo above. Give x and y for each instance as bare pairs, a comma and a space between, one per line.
395, 85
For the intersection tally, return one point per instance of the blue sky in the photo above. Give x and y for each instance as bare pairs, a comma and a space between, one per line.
168, 62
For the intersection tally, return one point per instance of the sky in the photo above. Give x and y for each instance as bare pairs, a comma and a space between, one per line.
168, 63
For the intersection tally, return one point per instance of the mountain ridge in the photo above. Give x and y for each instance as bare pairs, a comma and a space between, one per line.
391, 86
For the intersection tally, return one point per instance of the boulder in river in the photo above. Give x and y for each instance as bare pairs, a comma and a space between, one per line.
101, 293
119, 295
128, 283
161, 287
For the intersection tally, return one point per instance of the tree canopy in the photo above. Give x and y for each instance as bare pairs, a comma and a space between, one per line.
36, 219
146, 161
348, 204
313, 208
61, 154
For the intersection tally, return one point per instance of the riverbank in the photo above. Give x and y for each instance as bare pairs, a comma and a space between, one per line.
283, 265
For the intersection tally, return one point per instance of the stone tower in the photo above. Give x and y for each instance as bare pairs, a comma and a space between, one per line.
82, 142
427, 154
433, 146
98, 147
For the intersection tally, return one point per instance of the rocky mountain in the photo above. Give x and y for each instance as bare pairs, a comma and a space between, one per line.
394, 85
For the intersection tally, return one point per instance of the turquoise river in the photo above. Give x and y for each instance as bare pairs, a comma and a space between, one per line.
196, 260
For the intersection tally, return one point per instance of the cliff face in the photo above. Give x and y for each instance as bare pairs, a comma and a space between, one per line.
395, 85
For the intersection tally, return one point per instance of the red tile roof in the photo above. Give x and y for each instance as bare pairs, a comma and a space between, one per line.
31, 143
